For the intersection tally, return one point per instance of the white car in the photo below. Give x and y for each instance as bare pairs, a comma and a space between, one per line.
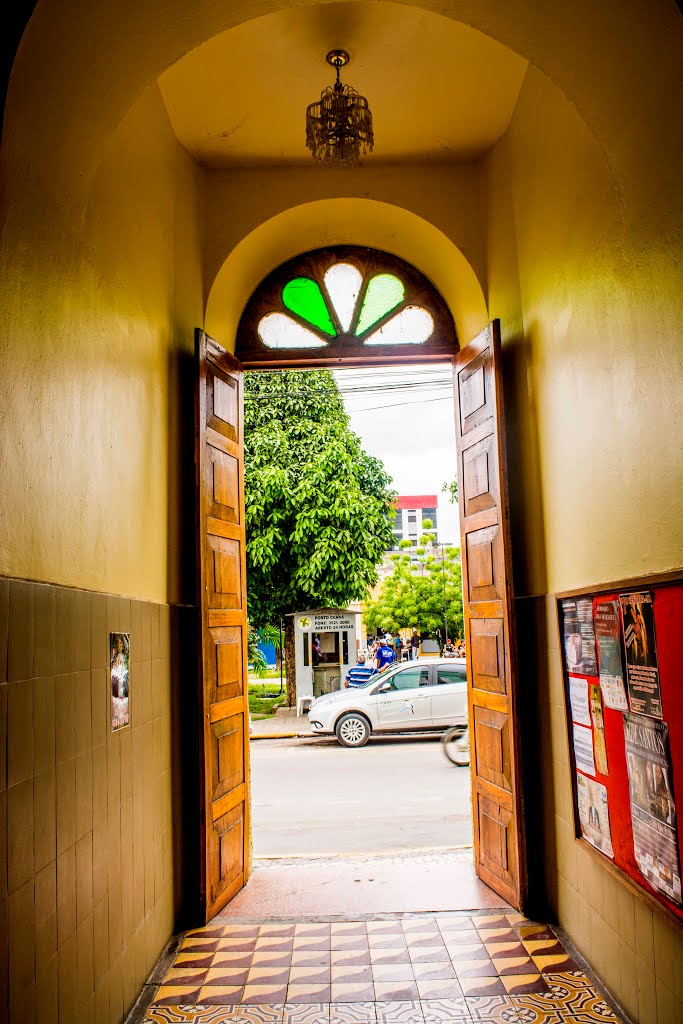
410, 697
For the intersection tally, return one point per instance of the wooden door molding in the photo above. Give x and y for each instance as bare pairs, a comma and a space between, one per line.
497, 796
222, 624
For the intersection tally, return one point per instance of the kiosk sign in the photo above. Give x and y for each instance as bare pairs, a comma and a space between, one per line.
331, 623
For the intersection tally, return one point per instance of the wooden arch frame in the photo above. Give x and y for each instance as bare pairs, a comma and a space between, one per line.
345, 348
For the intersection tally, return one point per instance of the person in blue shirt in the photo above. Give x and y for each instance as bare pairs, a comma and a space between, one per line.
384, 657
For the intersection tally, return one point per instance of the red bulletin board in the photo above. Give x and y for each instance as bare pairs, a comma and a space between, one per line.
668, 620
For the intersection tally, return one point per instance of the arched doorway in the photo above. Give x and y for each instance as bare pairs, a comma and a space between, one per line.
334, 306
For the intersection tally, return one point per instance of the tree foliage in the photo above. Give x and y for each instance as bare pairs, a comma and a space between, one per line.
413, 595
316, 503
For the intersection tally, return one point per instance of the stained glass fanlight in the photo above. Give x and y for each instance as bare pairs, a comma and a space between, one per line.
343, 302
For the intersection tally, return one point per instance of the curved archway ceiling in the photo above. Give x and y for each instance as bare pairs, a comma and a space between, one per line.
239, 99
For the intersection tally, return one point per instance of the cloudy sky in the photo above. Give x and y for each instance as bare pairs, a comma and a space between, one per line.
405, 416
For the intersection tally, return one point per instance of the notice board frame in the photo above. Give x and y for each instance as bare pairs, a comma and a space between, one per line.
652, 581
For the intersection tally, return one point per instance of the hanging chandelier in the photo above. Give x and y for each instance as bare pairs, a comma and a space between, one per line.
339, 124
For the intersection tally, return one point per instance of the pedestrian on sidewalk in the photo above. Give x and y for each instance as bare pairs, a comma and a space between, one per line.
414, 646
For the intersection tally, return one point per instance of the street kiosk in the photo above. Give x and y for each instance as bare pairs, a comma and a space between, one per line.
326, 648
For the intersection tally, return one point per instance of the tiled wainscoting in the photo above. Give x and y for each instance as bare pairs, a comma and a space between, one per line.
86, 857
636, 952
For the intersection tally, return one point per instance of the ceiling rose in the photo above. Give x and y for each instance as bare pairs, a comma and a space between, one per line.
339, 124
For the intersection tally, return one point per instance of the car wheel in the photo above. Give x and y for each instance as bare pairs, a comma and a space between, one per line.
353, 730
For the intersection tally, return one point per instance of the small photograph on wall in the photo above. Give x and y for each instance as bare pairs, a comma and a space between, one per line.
608, 634
579, 636
642, 672
119, 672
594, 814
653, 811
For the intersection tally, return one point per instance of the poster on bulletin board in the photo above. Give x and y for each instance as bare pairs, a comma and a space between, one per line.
624, 702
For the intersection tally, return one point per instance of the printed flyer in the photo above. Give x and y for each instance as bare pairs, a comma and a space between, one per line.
578, 697
655, 831
583, 749
579, 635
119, 669
608, 635
594, 814
598, 728
644, 693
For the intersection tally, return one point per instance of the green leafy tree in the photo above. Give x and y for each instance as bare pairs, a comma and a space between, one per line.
318, 507
412, 597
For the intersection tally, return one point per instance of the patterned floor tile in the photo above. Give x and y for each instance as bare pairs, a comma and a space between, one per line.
517, 984
207, 1015
221, 995
435, 970
498, 935
358, 942
196, 960
307, 993
274, 944
190, 977
427, 954
482, 986
543, 947
419, 924
238, 945
176, 994
395, 991
277, 930
306, 1013
270, 960
384, 940
312, 930
444, 988
351, 992
198, 945
268, 976
498, 949
265, 994
555, 964
352, 1013
393, 972
317, 975
390, 956
471, 951
490, 920
352, 974
310, 958
537, 1010
350, 957
310, 943
243, 960
445, 1011
493, 1010
400, 1012
226, 976
514, 965
386, 927
349, 928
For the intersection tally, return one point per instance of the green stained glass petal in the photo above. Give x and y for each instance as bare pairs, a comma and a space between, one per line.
383, 294
304, 298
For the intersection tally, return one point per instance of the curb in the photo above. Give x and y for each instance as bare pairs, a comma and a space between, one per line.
280, 735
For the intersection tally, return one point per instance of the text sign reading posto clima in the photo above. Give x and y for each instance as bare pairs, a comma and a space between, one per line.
329, 623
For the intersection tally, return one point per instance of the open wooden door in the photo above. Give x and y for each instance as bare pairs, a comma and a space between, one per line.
497, 800
222, 612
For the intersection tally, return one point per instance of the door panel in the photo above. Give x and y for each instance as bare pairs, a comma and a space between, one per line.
221, 602
408, 706
497, 802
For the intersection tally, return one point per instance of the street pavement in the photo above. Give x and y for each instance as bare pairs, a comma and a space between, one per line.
314, 797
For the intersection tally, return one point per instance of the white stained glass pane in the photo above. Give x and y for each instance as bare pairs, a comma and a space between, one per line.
412, 326
343, 283
277, 330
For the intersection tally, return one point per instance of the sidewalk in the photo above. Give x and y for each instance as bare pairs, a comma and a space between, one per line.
285, 722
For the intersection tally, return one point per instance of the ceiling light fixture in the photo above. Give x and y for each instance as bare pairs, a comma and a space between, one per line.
339, 124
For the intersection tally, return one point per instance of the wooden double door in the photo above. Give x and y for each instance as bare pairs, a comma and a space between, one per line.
497, 804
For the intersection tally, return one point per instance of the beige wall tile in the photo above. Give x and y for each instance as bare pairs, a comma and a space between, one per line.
558, 733
126, 764
43, 630
99, 861
65, 718
4, 625
22, 948
610, 892
3, 735
84, 877
666, 1004
644, 933
99, 637
113, 619
589, 877
46, 913
64, 630
82, 712
47, 992
145, 677
647, 994
664, 950
86, 977
68, 979
44, 819
3, 844
19, 835
124, 614
678, 962
135, 621
115, 931
101, 939
145, 632
99, 785
627, 989
158, 682
66, 895
43, 725
20, 631
102, 1000
99, 694
83, 794
66, 805
114, 849
567, 848
81, 630
128, 978
87, 1014
113, 771
155, 627
19, 732
22, 1005
627, 916
115, 993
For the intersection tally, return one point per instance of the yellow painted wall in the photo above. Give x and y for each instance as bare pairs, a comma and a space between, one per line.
584, 277
97, 312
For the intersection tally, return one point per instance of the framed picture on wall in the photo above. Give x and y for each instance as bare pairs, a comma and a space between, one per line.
119, 675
